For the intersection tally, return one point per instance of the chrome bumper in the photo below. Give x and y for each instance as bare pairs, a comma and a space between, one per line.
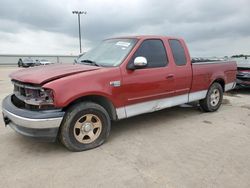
32, 123
43, 125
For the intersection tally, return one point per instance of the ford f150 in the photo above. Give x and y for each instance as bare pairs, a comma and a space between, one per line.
120, 78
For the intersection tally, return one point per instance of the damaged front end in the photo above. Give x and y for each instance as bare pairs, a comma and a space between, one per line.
30, 111
32, 96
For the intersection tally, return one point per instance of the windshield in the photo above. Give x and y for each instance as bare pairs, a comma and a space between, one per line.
109, 53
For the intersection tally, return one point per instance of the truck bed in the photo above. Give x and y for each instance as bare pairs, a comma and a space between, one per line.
205, 72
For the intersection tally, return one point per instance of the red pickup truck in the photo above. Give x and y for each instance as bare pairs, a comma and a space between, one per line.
120, 78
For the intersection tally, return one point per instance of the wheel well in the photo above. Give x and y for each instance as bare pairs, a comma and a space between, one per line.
221, 82
103, 101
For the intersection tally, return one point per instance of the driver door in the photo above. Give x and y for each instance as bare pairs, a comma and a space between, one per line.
144, 88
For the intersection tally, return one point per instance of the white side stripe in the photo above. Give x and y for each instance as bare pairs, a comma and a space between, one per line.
230, 86
158, 104
155, 105
197, 95
121, 113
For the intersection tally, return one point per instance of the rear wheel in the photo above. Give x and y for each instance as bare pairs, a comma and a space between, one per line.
213, 100
85, 126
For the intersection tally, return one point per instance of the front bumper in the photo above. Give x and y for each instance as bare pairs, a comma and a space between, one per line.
243, 79
42, 125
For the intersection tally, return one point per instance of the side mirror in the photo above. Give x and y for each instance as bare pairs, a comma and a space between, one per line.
139, 62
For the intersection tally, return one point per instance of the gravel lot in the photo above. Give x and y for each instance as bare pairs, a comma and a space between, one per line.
176, 147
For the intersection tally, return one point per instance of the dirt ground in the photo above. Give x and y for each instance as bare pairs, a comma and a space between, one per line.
176, 147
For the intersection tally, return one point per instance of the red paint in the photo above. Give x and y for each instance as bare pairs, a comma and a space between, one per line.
204, 75
43, 74
70, 82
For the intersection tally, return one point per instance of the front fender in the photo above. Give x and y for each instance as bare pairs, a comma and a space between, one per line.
70, 88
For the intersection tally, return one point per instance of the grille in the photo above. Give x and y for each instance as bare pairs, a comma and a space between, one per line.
25, 94
24, 91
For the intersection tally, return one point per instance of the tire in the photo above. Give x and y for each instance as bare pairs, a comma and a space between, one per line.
213, 100
85, 126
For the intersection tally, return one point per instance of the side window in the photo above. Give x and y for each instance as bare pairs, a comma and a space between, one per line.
154, 51
178, 52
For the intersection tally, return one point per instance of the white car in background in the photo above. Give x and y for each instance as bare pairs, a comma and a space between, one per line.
45, 62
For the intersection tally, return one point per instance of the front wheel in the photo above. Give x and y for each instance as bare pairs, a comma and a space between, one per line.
85, 126
213, 100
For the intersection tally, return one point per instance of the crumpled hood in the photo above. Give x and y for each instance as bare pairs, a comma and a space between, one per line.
46, 73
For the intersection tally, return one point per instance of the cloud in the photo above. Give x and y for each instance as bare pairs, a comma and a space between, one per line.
42, 42
213, 22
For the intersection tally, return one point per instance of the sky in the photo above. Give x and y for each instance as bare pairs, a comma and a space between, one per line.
210, 27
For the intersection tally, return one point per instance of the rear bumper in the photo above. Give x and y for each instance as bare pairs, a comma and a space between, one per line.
42, 125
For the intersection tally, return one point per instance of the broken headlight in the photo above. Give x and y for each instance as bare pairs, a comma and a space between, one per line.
39, 97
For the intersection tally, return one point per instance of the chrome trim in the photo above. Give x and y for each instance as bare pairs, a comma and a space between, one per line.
33, 123
116, 83
140, 61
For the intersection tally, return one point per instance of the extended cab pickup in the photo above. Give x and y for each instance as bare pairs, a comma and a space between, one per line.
120, 78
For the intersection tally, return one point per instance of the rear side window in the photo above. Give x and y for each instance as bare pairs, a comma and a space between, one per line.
154, 51
178, 52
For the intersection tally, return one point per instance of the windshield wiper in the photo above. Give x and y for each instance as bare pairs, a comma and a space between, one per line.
88, 61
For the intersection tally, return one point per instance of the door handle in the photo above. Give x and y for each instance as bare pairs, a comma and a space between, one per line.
170, 76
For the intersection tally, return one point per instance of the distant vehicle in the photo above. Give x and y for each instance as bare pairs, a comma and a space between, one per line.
20, 62
37, 62
45, 62
27, 62
243, 74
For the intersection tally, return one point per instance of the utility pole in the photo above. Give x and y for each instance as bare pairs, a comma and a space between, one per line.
79, 24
